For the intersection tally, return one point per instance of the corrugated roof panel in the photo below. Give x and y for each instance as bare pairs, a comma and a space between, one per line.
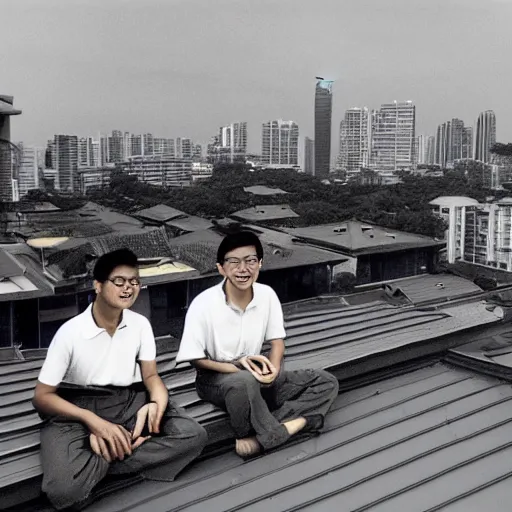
408, 443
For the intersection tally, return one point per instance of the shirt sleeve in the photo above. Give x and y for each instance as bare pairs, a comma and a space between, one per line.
147, 351
193, 340
275, 325
58, 359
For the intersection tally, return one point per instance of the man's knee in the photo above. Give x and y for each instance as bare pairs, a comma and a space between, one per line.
199, 438
64, 493
330, 380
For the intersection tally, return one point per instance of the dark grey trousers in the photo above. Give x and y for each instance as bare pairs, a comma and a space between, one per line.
71, 469
254, 408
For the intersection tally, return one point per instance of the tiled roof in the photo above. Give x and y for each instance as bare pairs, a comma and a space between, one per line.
265, 212
428, 287
72, 260
362, 238
159, 213
348, 340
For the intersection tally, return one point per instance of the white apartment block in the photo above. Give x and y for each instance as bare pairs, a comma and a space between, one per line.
28, 171
355, 140
280, 143
393, 137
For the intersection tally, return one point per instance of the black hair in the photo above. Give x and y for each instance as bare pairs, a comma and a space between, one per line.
109, 261
239, 239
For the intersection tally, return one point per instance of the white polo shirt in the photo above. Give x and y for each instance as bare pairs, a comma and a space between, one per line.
84, 354
220, 331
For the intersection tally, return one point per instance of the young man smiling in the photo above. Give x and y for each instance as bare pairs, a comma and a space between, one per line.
225, 329
108, 410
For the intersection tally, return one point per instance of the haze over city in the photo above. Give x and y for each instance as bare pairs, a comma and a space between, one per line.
186, 67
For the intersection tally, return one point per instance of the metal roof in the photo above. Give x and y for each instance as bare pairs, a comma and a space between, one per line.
199, 250
265, 212
361, 238
262, 190
159, 213
349, 340
189, 223
435, 437
432, 287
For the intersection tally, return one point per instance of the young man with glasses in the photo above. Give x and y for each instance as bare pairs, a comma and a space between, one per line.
225, 329
108, 410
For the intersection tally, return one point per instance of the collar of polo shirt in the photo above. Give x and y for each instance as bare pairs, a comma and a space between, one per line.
252, 304
91, 328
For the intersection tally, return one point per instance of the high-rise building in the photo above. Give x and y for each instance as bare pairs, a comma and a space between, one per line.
355, 137
66, 162
28, 174
233, 142
183, 148
197, 153
309, 156
485, 136
393, 136
136, 141
86, 152
422, 145
115, 147
162, 146
453, 142
147, 145
467, 143
280, 143
9, 153
323, 115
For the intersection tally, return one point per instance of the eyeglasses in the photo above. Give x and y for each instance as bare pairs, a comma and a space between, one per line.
250, 261
120, 281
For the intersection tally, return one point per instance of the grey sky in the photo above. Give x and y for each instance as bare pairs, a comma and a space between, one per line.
185, 67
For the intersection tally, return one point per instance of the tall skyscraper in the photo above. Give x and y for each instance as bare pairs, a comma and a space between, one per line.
66, 162
485, 136
9, 154
309, 156
86, 152
467, 142
233, 142
115, 147
28, 175
280, 143
393, 139
355, 137
453, 142
323, 116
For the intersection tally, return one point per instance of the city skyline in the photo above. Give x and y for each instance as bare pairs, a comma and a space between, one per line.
64, 78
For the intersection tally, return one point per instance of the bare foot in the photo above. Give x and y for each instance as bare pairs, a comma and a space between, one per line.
294, 426
248, 446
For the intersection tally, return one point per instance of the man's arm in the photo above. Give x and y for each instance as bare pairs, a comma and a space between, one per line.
276, 353
216, 366
114, 438
49, 403
158, 393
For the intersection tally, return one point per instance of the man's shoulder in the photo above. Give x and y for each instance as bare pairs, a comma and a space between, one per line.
135, 318
208, 296
264, 290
